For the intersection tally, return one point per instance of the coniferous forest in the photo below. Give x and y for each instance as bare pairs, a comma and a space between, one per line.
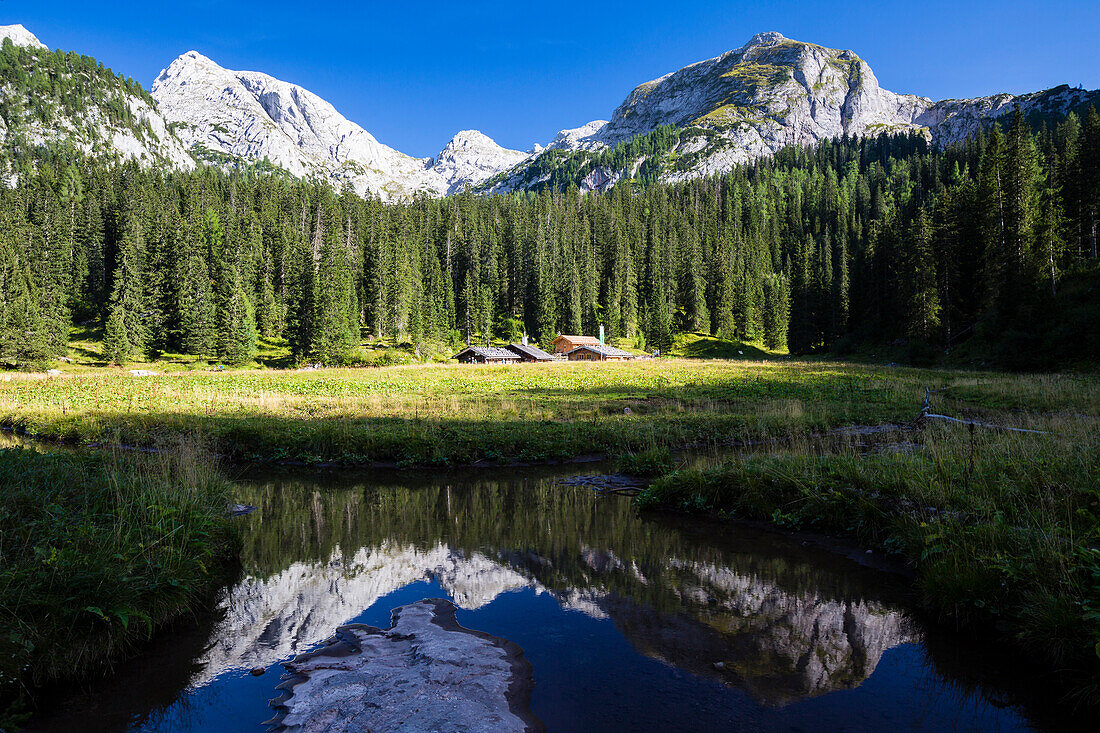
989, 246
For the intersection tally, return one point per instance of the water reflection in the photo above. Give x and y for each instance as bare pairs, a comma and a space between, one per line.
774, 621
735, 627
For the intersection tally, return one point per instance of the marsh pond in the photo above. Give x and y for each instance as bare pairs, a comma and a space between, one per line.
628, 620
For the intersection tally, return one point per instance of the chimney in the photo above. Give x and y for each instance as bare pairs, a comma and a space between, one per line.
601, 334
524, 339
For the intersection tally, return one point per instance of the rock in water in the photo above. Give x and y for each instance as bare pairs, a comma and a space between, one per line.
425, 672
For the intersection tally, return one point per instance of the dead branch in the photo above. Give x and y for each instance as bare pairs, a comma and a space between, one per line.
927, 414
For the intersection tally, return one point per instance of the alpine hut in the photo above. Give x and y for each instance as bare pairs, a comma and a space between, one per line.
598, 352
486, 355
563, 344
530, 353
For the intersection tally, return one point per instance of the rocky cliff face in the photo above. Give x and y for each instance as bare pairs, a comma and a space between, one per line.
228, 117
35, 118
21, 37
770, 93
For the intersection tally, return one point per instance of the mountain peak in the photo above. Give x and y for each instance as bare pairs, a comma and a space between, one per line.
767, 38
472, 157
20, 36
471, 138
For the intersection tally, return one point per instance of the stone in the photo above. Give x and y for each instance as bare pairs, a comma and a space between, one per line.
238, 510
425, 672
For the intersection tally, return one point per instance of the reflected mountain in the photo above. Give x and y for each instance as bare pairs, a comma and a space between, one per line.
754, 612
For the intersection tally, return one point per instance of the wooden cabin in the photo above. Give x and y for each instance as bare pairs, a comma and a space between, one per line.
486, 355
530, 353
598, 352
564, 344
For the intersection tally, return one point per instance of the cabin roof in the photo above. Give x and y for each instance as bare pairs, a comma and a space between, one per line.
577, 339
602, 349
532, 352
487, 352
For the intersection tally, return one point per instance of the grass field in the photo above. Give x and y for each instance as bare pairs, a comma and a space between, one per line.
440, 414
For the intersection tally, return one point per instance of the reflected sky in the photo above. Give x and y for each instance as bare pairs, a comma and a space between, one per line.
630, 622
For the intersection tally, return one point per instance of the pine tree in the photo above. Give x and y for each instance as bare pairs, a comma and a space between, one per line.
235, 318
923, 291
117, 348
777, 306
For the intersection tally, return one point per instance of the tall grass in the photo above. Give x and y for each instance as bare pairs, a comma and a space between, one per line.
97, 550
1002, 528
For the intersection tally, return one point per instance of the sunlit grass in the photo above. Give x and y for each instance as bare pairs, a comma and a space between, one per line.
456, 413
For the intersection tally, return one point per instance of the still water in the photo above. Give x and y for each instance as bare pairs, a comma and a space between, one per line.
631, 622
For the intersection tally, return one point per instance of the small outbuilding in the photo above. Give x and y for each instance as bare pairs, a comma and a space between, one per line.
563, 344
486, 355
598, 352
530, 353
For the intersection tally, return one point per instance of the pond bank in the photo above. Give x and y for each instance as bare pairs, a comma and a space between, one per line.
1001, 529
100, 550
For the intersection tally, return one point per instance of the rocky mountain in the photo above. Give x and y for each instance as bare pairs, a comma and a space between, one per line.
699, 120
780, 644
754, 100
49, 99
20, 36
234, 117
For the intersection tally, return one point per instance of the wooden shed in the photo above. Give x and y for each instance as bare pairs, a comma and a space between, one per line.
530, 353
598, 352
486, 355
563, 344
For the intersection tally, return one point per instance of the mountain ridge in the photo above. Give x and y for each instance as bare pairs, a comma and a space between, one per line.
249, 116
736, 107
754, 100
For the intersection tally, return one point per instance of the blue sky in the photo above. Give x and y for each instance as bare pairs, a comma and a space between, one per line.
414, 73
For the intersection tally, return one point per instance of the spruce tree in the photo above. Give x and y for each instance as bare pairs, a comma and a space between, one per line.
24, 340
335, 309
125, 332
236, 323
